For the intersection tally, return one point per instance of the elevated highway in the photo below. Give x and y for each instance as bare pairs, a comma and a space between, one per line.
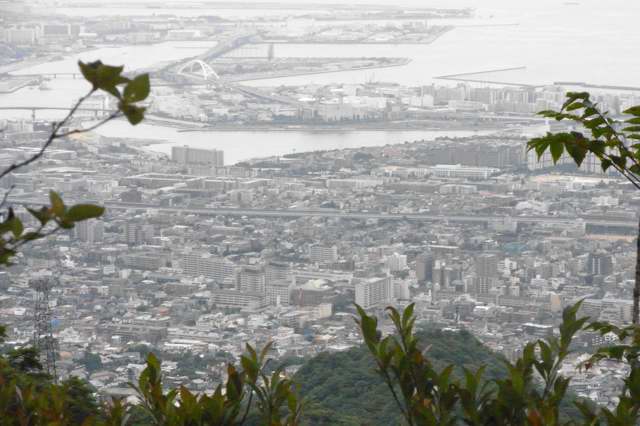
626, 225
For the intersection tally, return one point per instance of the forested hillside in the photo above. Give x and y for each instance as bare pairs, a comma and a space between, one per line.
343, 388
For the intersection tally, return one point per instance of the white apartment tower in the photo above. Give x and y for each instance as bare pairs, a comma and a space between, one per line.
188, 155
323, 254
374, 292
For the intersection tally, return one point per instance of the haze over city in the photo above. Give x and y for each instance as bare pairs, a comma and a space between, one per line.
260, 168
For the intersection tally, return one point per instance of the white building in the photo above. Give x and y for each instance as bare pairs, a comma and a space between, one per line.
252, 280
460, 171
278, 294
397, 262
187, 155
353, 184
374, 292
323, 254
197, 264
91, 231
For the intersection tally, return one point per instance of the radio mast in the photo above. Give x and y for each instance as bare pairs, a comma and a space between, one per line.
43, 340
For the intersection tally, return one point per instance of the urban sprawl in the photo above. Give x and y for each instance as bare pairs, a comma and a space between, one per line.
196, 257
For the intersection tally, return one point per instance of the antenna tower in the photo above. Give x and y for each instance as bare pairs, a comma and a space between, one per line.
43, 340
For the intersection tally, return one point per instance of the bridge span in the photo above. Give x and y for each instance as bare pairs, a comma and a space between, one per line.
97, 112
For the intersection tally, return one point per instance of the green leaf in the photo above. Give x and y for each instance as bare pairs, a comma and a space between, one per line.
549, 113
42, 215
109, 77
137, 89
556, 148
16, 227
133, 113
66, 224
57, 205
577, 152
588, 112
5, 256
634, 110
539, 144
594, 123
574, 96
407, 314
631, 129
13, 225
574, 106
89, 71
619, 161
81, 212
596, 147
292, 402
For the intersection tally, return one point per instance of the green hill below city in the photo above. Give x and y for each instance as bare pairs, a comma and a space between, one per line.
343, 388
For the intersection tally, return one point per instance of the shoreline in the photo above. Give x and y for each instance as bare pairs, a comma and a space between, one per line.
349, 129
433, 125
400, 62
147, 145
183, 126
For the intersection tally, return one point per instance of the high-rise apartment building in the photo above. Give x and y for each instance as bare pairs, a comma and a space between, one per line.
445, 274
279, 282
278, 272
252, 279
486, 271
374, 292
397, 262
487, 265
424, 267
188, 155
90, 231
600, 264
197, 263
323, 254
136, 233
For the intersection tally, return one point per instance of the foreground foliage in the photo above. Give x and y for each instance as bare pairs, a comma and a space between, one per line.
27, 397
343, 388
611, 141
57, 216
531, 392
527, 391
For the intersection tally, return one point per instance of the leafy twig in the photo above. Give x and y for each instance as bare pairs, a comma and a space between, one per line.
6, 196
53, 136
112, 116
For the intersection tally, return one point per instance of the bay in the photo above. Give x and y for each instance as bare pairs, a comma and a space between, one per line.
587, 40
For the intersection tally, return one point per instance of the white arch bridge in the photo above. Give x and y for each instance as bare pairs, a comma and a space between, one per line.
198, 68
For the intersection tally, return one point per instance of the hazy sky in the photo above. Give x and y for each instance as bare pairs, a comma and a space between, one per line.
524, 4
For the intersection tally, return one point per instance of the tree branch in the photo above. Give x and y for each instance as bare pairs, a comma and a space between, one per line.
406, 411
54, 135
622, 147
52, 231
631, 177
6, 195
248, 407
113, 115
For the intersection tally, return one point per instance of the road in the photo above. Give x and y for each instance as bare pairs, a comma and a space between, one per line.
330, 213
294, 213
